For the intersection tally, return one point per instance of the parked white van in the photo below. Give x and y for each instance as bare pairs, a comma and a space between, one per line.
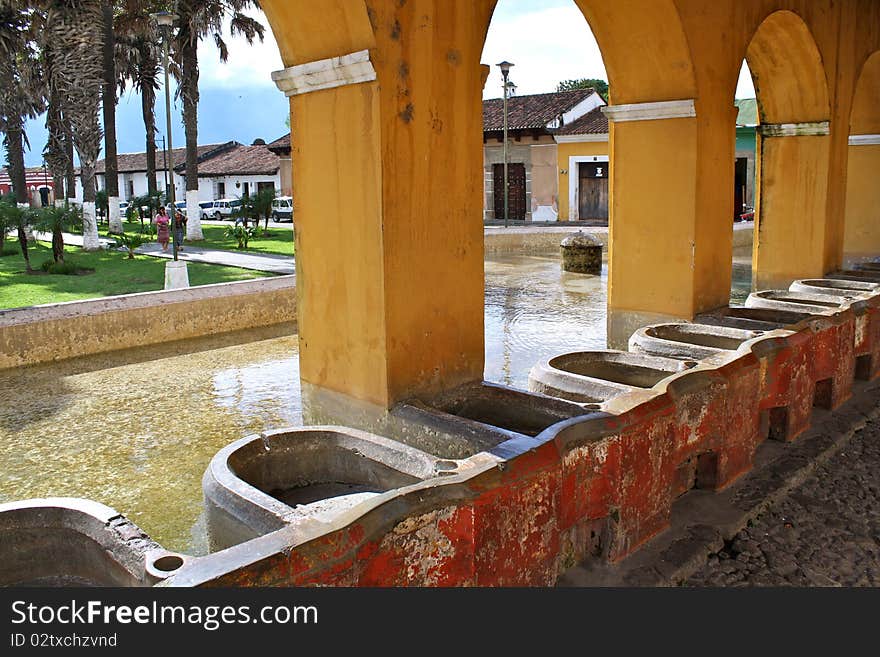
282, 209
220, 209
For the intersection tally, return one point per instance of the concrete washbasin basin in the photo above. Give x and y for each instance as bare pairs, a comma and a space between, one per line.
594, 377
64, 542
268, 481
752, 319
687, 341
815, 304
832, 287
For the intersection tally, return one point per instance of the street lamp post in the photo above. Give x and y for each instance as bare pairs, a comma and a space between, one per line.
175, 272
166, 22
505, 70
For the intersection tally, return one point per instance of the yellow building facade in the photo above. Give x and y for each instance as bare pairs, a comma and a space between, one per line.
386, 108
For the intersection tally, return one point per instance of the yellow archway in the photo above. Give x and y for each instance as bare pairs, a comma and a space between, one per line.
862, 230
793, 156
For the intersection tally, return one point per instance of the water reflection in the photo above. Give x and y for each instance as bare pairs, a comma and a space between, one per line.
535, 310
136, 429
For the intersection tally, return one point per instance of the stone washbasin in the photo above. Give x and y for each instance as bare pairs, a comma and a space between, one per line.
687, 341
487, 414
594, 377
301, 476
855, 275
752, 319
65, 542
827, 286
816, 304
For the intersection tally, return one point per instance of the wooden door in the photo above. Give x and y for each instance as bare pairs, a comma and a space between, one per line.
516, 200
593, 190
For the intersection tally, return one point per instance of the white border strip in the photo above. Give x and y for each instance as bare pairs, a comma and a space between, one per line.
325, 74
667, 109
864, 140
808, 129
579, 139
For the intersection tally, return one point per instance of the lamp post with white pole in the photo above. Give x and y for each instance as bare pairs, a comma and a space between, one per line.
175, 272
505, 70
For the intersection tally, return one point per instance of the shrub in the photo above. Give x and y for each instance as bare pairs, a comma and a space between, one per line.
63, 268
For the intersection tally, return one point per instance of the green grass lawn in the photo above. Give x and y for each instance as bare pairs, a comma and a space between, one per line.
114, 274
279, 241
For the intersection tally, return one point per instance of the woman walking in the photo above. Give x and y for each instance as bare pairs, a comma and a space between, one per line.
163, 224
179, 228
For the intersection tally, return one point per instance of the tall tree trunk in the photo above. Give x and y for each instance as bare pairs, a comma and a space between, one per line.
108, 98
70, 174
190, 92
76, 30
148, 69
15, 157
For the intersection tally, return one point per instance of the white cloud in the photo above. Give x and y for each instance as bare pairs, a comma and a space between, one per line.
546, 45
247, 65
745, 88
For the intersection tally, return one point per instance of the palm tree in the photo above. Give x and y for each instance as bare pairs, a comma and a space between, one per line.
22, 96
199, 19
137, 53
74, 30
108, 103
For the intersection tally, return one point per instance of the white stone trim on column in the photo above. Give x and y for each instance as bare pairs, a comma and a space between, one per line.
325, 73
806, 129
194, 231
864, 140
114, 216
666, 109
574, 180
91, 241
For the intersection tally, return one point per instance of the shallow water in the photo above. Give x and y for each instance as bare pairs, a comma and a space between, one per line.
136, 429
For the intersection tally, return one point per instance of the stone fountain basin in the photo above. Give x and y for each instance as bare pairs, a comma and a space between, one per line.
752, 319
265, 482
827, 286
687, 341
63, 541
594, 377
867, 275
815, 304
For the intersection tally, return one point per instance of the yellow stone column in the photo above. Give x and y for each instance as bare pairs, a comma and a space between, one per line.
862, 236
791, 205
387, 172
657, 247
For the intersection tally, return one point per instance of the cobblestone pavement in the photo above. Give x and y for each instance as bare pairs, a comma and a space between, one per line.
825, 532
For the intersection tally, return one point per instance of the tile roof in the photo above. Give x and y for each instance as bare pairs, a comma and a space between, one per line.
134, 162
591, 123
533, 111
280, 146
240, 160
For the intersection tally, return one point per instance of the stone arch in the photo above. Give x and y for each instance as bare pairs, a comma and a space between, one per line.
861, 234
865, 113
787, 71
793, 152
627, 33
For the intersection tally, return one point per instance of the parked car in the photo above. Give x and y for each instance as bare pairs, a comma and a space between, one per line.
181, 205
282, 209
220, 209
123, 206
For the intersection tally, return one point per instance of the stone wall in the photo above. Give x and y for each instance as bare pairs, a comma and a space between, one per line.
53, 332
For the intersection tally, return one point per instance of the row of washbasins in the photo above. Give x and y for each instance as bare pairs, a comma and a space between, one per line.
311, 482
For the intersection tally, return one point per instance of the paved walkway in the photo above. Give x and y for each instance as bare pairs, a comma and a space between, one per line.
266, 262
275, 264
825, 532
808, 514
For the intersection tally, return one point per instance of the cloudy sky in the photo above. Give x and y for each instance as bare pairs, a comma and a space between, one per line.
547, 40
